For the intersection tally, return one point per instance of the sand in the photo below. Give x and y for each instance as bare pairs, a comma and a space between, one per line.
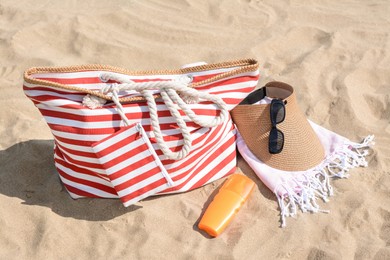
335, 53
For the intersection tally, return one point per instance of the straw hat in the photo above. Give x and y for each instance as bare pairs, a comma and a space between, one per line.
302, 149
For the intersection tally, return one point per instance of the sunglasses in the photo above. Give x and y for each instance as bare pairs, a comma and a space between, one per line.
277, 116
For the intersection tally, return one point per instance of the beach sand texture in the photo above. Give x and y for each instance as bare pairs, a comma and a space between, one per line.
335, 53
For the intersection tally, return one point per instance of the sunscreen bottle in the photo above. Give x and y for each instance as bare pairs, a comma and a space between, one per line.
229, 199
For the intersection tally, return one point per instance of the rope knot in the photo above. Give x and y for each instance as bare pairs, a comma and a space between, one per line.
110, 89
92, 101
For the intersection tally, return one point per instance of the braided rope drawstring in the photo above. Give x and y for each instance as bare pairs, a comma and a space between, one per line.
169, 93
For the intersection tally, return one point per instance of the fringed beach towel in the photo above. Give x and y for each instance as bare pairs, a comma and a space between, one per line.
301, 189
299, 158
129, 135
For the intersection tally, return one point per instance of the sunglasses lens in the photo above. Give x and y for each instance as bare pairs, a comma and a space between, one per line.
277, 111
276, 137
276, 141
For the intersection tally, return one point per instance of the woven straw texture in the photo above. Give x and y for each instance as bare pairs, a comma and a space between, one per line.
302, 149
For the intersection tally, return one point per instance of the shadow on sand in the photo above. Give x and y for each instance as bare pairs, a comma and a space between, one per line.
27, 172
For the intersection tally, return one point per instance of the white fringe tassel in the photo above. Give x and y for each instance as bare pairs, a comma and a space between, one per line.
316, 184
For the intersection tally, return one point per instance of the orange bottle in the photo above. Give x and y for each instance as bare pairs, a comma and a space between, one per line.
229, 199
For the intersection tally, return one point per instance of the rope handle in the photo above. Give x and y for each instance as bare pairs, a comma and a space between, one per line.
169, 93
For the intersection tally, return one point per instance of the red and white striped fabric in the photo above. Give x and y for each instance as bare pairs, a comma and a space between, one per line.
96, 155
132, 164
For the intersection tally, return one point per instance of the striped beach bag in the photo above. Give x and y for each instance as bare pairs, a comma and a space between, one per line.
132, 134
